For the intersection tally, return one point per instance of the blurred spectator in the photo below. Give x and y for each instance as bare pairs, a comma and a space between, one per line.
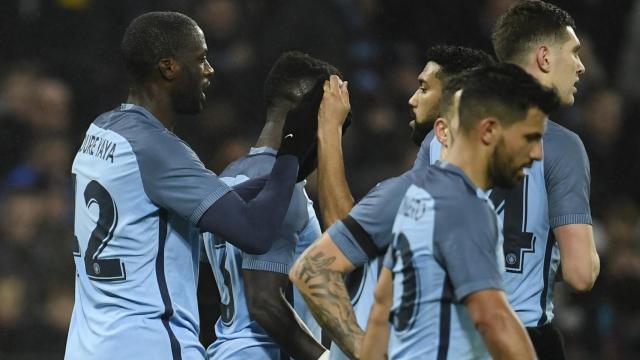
629, 75
47, 166
601, 131
623, 280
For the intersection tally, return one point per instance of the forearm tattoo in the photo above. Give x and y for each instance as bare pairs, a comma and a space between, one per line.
329, 301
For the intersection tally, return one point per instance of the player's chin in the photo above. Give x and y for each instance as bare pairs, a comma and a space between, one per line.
518, 176
568, 100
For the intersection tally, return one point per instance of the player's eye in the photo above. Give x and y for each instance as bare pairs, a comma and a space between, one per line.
533, 137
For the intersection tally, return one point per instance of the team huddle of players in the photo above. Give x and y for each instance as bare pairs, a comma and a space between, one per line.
454, 259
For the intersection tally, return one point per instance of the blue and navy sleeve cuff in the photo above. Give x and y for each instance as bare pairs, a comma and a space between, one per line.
207, 202
347, 243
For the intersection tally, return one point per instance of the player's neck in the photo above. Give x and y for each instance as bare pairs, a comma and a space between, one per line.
271, 134
471, 159
155, 101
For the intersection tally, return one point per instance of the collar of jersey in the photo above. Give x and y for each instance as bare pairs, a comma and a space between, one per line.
262, 150
142, 111
447, 166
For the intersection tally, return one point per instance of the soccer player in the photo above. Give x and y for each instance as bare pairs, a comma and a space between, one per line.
256, 321
547, 218
334, 195
143, 197
441, 285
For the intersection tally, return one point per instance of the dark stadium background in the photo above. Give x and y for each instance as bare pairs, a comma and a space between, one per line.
60, 67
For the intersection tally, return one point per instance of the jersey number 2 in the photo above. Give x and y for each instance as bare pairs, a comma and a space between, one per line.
101, 269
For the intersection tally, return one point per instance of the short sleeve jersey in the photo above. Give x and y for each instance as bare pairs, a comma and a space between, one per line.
238, 336
447, 245
555, 192
139, 193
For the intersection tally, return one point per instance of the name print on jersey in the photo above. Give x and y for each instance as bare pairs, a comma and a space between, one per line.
414, 208
99, 147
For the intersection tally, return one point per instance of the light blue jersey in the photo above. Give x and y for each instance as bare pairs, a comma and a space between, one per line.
447, 245
238, 336
364, 237
555, 192
139, 193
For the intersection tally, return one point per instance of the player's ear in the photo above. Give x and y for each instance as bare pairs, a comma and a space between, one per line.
542, 58
490, 130
441, 130
168, 68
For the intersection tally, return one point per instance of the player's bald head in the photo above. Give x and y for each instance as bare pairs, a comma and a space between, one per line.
154, 36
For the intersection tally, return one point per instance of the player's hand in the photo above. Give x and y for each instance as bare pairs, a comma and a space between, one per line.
300, 127
335, 109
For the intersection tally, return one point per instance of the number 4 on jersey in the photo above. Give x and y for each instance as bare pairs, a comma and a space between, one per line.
517, 241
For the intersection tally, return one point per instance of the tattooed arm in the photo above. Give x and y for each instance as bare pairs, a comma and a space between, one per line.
318, 274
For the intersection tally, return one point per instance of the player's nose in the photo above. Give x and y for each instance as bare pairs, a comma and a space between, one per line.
208, 69
536, 151
581, 68
413, 100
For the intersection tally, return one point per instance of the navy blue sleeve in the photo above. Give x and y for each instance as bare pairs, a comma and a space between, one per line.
466, 240
249, 189
567, 177
281, 255
252, 226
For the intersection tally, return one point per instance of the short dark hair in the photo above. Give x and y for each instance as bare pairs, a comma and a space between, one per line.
456, 59
504, 91
154, 36
290, 68
525, 22
449, 89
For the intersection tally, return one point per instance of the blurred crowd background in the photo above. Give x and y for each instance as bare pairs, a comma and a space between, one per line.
60, 67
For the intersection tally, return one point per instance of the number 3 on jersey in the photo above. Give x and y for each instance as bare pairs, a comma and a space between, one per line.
223, 273
101, 269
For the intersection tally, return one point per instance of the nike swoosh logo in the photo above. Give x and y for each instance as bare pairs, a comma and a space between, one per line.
288, 136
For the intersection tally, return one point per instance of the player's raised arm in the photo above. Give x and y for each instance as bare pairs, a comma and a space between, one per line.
252, 225
333, 190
